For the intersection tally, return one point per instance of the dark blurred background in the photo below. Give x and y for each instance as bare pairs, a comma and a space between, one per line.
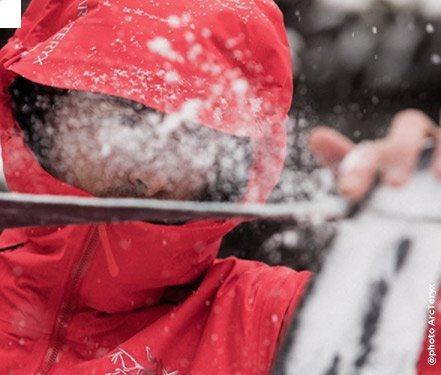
356, 63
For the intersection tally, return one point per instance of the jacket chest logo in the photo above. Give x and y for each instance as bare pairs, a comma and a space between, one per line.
128, 365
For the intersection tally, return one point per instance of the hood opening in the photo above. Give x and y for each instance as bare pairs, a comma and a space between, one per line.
33, 104
231, 60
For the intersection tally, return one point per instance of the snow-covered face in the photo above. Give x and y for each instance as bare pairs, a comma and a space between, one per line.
113, 147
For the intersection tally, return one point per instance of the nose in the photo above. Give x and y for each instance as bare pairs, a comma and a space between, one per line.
148, 184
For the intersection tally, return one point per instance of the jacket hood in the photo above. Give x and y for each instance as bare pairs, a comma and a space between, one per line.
227, 60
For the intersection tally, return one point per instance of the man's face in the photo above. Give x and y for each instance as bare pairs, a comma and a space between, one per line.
113, 147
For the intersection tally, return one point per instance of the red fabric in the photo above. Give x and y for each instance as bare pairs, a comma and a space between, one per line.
140, 297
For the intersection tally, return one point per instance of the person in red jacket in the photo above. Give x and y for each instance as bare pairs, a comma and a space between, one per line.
144, 298
139, 297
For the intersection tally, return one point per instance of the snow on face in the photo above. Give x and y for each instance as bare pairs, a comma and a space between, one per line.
111, 146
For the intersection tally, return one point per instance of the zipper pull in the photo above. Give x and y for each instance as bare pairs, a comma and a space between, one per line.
112, 266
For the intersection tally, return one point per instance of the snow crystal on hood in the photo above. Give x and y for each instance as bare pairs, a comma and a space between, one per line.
162, 46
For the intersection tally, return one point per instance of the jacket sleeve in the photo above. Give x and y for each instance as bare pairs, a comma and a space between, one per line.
257, 302
282, 289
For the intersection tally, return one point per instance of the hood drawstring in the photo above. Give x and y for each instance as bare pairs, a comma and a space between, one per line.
111, 262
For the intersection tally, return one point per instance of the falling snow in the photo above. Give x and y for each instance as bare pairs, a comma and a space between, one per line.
435, 59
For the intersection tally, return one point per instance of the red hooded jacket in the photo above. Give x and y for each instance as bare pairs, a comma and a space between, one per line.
142, 298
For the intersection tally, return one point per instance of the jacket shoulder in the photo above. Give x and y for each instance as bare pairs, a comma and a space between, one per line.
254, 302
258, 279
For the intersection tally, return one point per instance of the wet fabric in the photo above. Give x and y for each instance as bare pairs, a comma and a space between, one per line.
139, 297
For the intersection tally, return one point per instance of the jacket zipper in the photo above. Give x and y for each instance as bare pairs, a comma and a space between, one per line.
68, 305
